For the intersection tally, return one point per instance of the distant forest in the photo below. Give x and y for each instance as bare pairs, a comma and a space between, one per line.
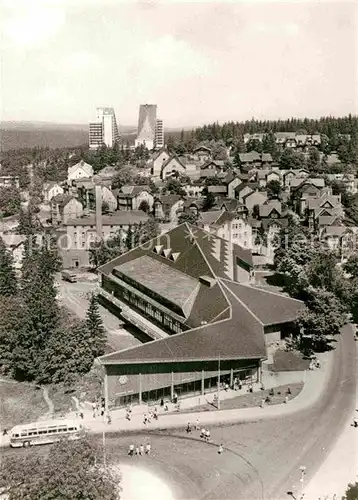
230, 131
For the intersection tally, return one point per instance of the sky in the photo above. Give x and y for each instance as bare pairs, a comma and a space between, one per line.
199, 61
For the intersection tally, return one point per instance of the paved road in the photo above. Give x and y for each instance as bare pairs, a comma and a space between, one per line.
74, 296
262, 459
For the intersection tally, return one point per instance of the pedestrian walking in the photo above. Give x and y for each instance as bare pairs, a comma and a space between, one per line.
147, 449
81, 415
94, 406
355, 422
109, 418
131, 450
141, 450
166, 407
155, 413
262, 403
207, 435
145, 419
5, 433
221, 449
137, 451
188, 428
149, 417
203, 433
227, 387
197, 424
129, 416
286, 399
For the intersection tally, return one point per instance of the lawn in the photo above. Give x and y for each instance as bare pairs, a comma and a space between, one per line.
86, 388
249, 400
288, 361
20, 403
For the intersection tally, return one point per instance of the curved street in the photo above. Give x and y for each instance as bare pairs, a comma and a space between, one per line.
261, 459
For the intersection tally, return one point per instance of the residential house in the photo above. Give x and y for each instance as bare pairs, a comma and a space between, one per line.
167, 207
243, 189
194, 190
106, 176
218, 189
254, 198
81, 170
203, 153
253, 137
339, 239
9, 181
325, 205
171, 167
289, 175
193, 205
347, 180
65, 207
157, 162
271, 209
83, 231
267, 175
132, 197
227, 225
285, 139
51, 189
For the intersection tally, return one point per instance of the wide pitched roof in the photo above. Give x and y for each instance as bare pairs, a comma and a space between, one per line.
208, 218
239, 336
267, 208
268, 307
157, 277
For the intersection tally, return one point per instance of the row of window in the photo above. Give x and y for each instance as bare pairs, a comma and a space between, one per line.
45, 431
152, 311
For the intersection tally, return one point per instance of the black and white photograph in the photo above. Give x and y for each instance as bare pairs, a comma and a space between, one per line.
178, 249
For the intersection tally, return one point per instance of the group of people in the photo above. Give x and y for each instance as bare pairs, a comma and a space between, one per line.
153, 414
139, 450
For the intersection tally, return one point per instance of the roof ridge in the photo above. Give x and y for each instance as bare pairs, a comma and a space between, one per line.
242, 303
265, 291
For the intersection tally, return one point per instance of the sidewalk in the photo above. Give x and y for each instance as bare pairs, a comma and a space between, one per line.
315, 383
339, 469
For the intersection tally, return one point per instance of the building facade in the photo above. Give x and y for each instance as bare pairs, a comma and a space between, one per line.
159, 134
104, 130
184, 292
147, 121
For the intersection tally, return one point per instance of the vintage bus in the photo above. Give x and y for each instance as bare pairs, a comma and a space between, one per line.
45, 432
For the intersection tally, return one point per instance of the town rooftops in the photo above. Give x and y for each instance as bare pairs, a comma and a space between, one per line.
118, 218
266, 209
131, 191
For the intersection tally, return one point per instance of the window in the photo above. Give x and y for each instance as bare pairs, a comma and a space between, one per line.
234, 226
42, 432
235, 236
71, 429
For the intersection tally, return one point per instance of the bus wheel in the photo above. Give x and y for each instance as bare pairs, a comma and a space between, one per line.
26, 444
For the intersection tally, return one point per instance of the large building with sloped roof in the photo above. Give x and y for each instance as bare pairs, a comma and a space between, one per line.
188, 292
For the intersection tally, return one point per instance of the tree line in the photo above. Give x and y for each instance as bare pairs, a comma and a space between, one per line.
38, 341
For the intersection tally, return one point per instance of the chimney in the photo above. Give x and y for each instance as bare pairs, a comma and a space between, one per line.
98, 194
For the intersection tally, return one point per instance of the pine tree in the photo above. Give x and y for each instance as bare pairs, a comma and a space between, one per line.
8, 283
94, 325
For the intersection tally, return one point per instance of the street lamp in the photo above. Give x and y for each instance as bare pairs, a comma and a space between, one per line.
302, 478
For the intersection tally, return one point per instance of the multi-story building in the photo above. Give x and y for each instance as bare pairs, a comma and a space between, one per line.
230, 226
81, 232
104, 129
147, 122
159, 134
185, 291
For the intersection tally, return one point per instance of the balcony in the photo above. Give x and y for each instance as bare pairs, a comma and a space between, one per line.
135, 318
